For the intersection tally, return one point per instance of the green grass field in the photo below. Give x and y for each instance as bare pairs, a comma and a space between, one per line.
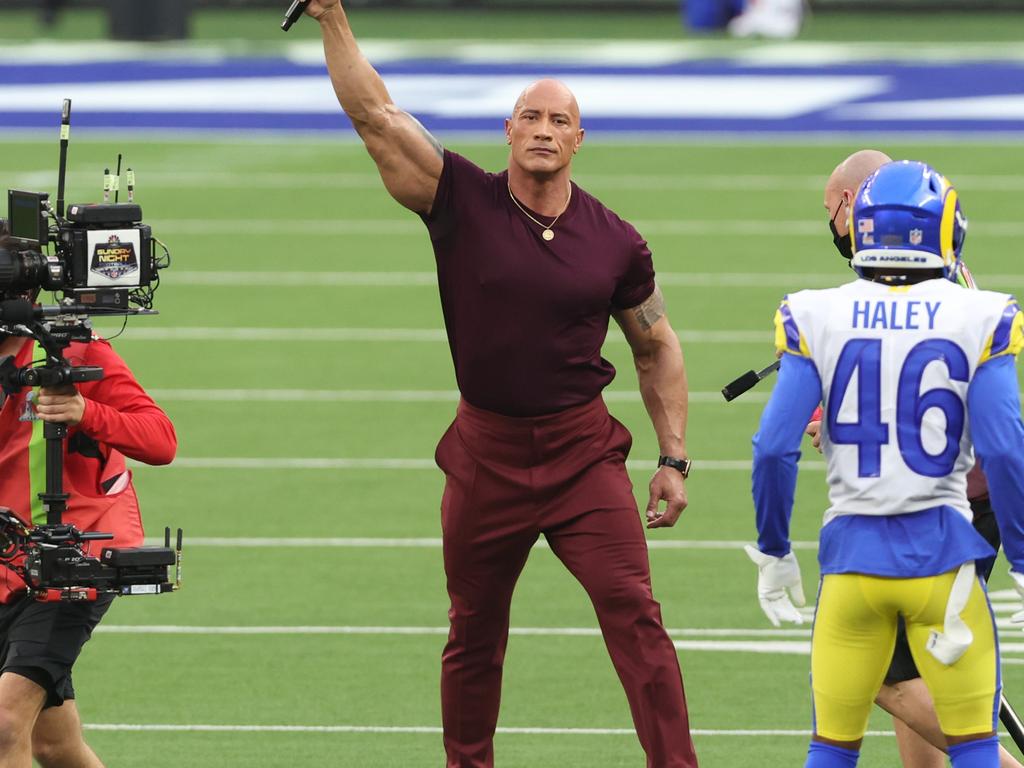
287, 259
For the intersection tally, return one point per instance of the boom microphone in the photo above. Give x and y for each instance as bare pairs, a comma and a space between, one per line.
295, 10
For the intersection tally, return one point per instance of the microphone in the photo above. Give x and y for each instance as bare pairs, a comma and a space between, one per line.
17, 311
734, 389
295, 10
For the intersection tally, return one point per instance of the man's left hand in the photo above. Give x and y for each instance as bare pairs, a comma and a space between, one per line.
667, 485
60, 405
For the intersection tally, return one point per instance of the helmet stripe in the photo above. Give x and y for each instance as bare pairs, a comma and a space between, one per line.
946, 228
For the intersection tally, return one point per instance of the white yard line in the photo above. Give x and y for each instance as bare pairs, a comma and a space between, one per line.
225, 462
376, 335
763, 641
383, 396
407, 226
428, 729
235, 179
431, 543
419, 279
167, 629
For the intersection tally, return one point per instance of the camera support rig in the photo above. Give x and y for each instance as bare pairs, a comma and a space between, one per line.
50, 558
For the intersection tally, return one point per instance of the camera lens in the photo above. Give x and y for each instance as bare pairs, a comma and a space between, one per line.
27, 270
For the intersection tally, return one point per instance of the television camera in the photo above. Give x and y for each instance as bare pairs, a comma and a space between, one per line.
103, 261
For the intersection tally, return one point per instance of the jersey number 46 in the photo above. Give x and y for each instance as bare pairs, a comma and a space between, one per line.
869, 433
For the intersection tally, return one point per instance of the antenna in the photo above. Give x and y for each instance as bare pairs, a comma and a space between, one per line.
177, 561
65, 133
117, 185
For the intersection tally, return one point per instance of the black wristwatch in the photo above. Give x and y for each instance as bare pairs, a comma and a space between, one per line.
683, 465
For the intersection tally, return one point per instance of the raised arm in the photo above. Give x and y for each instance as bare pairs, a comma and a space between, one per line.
662, 377
409, 159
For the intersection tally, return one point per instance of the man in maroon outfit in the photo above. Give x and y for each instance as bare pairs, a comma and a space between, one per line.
530, 268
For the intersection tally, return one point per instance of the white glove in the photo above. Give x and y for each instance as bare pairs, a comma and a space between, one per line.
775, 576
1018, 583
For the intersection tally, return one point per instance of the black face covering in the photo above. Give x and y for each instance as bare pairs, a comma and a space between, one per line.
844, 244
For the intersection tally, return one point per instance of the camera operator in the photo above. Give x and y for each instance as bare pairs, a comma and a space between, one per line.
108, 420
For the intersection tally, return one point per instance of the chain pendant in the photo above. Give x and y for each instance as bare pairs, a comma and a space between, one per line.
548, 235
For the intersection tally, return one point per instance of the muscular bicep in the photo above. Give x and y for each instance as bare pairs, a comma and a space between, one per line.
409, 159
646, 324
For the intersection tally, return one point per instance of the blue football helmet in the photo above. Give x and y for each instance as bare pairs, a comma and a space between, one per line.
906, 215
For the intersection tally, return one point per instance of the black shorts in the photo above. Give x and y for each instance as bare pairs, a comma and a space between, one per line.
903, 667
42, 641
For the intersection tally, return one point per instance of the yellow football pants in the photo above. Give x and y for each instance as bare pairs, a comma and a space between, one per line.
854, 636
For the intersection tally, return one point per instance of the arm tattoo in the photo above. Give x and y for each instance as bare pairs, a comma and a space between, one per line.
650, 311
427, 135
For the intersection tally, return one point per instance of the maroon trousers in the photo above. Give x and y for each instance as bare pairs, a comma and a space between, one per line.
507, 481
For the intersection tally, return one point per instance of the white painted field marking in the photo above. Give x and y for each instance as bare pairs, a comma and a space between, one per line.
786, 648
383, 396
407, 226
168, 629
432, 543
306, 280
240, 462
423, 279
407, 335
238, 179
762, 641
427, 729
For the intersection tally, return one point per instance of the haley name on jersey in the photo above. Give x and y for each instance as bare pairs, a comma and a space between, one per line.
895, 363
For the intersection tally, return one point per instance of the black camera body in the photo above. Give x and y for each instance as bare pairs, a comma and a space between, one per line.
103, 255
52, 562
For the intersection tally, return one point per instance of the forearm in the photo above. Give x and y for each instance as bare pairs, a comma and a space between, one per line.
661, 373
777, 451
360, 90
146, 435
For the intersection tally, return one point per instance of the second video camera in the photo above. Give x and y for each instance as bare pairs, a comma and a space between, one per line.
102, 256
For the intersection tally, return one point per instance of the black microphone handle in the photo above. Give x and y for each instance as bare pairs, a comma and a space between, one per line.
295, 11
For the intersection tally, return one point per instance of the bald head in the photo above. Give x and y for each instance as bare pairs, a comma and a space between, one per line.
549, 92
842, 185
853, 170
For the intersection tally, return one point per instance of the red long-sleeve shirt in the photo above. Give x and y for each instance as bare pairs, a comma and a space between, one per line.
120, 421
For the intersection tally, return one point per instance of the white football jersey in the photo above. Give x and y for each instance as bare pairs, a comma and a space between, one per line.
895, 363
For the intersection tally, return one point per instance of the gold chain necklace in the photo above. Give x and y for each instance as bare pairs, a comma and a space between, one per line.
548, 233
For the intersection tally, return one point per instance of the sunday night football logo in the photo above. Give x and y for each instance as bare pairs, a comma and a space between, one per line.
114, 259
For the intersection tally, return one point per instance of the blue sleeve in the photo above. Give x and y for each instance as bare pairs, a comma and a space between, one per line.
777, 450
993, 403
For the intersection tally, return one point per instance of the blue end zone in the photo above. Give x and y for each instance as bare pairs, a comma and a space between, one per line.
698, 97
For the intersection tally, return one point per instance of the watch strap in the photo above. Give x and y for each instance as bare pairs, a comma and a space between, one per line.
681, 465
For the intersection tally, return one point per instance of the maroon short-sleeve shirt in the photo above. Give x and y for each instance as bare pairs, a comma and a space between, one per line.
526, 317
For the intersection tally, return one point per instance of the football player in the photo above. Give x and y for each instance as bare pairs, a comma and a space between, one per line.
911, 370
